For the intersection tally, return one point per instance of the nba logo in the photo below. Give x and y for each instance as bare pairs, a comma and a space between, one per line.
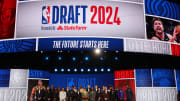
45, 14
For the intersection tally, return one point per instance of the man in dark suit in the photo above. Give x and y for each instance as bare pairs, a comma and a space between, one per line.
113, 94
47, 94
72, 94
52, 92
39, 94
78, 95
129, 93
67, 94
106, 95
88, 89
99, 95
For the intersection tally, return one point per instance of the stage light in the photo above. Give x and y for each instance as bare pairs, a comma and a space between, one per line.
86, 58
59, 58
95, 70
82, 70
68, 70
75, 70
102, 70
46, 58
101, 58
108, 69
116, 58
88, 70
55, 69
62, 70
97, 51
74, 58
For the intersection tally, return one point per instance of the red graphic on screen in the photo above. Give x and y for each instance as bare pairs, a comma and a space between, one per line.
123, 84
7, 18
48, 14
175, 49
124, 74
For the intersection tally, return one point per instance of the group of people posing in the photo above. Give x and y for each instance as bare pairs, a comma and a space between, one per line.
41, 93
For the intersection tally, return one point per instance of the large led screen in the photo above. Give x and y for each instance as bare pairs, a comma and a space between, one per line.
64, 80
161, 29
7, 18
80, 18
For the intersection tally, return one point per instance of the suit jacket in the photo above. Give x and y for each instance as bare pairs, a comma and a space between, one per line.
39, 94
106, 96
92, 95
78, 96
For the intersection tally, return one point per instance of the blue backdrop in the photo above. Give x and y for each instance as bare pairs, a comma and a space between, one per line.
162, 8
4, 77
143, 78
63, 80
178, 79
47, 44
38, 74
163, 78
17, 45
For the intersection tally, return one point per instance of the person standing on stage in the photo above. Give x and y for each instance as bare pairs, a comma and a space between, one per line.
67, 94
105, 95
113, 94
72, 94
47, 94
52, 92
62, 95
85, 95
99, 95
56, 96
92, 94
78, 95
129, 93
81, 89
39, 94
103, 88
120, 94
96, 88
88, 89
75, 89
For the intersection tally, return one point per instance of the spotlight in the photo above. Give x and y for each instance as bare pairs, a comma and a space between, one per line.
59, 58
82, 70
102, 70
55, 69
68, 70
116, 58
101, 58
75, 70
88, 70
74, 58
108, 69
46, 58
97, 51
86, 58
62, 70
95, 70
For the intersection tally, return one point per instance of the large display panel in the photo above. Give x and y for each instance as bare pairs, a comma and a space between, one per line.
7, 18
162, 29
63, 80
163, 8
35, 89
163, 78
21, 45
82, 43
143, 78
4, 77
80, 18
